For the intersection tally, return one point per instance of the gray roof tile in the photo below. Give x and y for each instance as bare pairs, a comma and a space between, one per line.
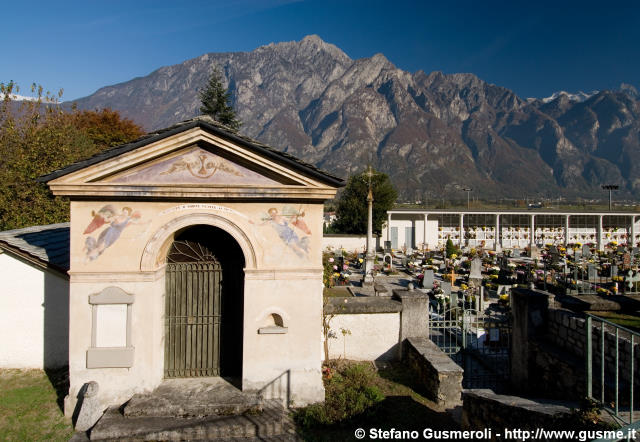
213, 126
48, 244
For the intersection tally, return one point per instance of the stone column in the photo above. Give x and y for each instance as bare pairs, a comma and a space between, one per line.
566, 230
631, 239
370, 257
461, 230
424, 234
532, 233
599, 233
388, 226
497, 237
530, 309
414, 318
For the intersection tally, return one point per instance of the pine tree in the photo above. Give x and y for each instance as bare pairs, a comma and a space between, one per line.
216, 102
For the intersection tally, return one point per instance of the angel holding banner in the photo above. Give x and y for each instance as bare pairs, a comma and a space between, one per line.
281, 224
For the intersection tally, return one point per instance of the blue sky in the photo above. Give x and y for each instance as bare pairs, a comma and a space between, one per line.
533, 48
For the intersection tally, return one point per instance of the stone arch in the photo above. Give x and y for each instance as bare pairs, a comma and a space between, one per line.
151, 261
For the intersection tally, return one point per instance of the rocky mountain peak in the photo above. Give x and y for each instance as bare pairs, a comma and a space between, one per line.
427, 131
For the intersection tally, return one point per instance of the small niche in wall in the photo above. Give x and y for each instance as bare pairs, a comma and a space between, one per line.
273, 325
110, 329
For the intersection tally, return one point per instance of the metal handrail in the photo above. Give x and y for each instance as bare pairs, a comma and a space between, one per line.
615, 410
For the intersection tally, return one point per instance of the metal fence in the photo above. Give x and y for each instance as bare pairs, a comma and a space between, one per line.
477, 341
611, 355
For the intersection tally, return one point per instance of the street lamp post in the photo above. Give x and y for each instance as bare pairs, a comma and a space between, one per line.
468, 190
610, 187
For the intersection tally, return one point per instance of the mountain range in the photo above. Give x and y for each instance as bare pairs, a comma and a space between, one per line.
434, 134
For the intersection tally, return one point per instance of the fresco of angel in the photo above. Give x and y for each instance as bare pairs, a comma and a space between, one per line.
282, 222
93, 246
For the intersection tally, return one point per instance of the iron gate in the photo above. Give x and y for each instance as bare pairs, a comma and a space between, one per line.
478, 342
192, 315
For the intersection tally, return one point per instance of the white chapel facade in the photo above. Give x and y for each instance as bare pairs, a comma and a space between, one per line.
195, 252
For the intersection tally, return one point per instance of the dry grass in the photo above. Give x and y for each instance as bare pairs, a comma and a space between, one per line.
29, 408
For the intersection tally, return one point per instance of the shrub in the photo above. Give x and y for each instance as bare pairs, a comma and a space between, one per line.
350, 391
451, 249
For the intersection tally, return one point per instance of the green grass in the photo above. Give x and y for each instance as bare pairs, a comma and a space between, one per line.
624, 320
390, 400
29, 407
336, 292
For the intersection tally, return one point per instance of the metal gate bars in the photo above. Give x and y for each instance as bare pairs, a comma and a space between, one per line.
477, 341
192, 319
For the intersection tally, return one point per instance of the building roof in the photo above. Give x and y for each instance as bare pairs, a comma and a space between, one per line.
211, 125
47, 246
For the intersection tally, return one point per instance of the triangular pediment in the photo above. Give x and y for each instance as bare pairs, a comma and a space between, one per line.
195, 165
193, 162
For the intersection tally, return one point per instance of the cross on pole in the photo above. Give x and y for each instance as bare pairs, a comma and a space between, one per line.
369, 176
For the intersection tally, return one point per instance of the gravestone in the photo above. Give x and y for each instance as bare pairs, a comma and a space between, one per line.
476, 269
388, 260
453, 299
614, 270
534, 252
635, 251
515, 253
630, 279
586, 252
90, 407
427, 282
387, 247
446, 288
577, 254
592, 272
626, 261
620, 249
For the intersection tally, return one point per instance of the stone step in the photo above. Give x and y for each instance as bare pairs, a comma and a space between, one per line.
193, 398
271, 423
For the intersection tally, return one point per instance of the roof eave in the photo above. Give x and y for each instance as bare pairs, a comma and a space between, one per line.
277, 157
6, 247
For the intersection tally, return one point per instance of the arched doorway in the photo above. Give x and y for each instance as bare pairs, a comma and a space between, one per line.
204, 304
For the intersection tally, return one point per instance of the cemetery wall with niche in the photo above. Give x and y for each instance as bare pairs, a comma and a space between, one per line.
479, 229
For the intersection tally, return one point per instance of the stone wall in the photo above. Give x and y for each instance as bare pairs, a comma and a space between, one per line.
350, 243
437, 376
484, 409
549, 351
566, 330
363, 328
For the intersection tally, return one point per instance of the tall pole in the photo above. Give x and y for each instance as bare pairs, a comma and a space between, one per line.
370, 257
468, 190
610, 187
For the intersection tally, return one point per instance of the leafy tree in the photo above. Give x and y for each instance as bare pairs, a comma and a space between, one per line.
351, 210
106, 128
37, 137
216, 102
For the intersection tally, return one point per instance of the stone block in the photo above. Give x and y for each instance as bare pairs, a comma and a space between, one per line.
90, 407
437, 376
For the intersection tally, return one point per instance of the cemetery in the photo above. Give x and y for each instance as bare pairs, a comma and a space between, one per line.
205, 302
497, 229
512, 321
